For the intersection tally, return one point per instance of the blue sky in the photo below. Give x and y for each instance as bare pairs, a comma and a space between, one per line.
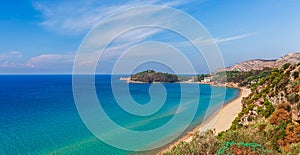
43, 36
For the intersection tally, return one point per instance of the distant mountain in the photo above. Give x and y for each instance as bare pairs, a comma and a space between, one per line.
259, 64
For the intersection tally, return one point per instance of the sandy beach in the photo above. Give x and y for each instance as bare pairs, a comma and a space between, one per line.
223, 119
130, 81
220, 121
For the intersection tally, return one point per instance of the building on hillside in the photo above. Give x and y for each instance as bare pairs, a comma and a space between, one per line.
206, 79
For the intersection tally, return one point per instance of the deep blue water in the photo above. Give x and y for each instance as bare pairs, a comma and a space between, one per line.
38, 114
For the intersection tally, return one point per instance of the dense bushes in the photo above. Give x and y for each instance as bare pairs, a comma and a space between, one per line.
244, 78
269, 108
293, 98
280, 115
202, 143
206, 143
296, 74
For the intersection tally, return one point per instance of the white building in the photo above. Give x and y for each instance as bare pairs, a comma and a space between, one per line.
207, 79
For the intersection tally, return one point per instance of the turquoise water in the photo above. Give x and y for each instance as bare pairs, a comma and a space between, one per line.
38, 114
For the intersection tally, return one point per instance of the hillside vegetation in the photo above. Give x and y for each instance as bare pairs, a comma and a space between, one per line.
269, 120
150, 76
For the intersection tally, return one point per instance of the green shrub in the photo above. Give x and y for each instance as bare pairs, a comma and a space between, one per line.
296, 75
285, 66
259, 110
292, 149
261, 127
202, 143
293, 98
251, 106
269, 108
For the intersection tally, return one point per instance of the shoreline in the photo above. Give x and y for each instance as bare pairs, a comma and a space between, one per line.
185, 82
220, 121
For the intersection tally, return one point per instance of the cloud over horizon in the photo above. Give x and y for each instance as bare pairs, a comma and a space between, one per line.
41, 63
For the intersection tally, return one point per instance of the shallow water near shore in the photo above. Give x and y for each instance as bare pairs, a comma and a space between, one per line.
39, 116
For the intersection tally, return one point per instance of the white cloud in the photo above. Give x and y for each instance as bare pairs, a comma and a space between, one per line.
10, 58
156, 53
221, 40
50, 60
16, 60
16, 53
80, 16
123, 31
3, 57
204, 42
9, 55
131, 38
4, 64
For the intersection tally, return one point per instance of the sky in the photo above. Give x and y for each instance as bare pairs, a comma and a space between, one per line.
40, 37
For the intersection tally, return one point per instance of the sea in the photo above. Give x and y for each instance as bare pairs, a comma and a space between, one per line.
38, 114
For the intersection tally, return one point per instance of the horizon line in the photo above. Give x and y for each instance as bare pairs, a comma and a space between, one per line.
87, 74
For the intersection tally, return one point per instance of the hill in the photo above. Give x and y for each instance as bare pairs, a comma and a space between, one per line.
150, 76
269, 122
259, 64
